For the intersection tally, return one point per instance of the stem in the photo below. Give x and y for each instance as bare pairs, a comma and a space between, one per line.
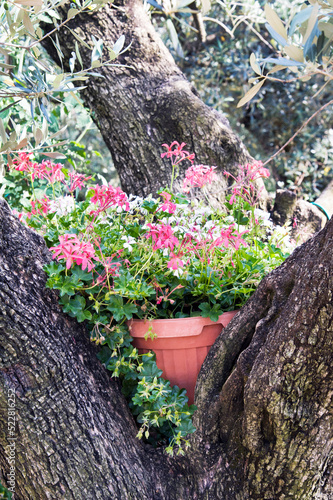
255, 230
172, 176
298, 131
144, 266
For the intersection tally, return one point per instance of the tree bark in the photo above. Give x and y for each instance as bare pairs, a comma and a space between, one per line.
148, 103
264, 394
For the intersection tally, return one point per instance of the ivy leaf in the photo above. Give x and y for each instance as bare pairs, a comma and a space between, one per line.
76, 308
186, 427
210, 312
54, 268
135, 230
150, 206
81, 275
150, 369
119, 309
104, 355
68, 286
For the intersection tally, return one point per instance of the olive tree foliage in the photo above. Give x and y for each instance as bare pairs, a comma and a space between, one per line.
30, 82
79, 57
306, 49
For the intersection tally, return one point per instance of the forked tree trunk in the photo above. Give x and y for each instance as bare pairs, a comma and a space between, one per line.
264, 395
150, 102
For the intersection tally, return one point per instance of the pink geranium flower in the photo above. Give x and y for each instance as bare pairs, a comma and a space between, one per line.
24, 164
255, 170
76, 251
162, 236
107, 196
175, 262
232, 237
198, 176
244, 186
168, 205
51, 171
76, 181
177, 152
40, 207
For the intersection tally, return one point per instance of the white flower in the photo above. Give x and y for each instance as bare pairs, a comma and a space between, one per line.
62, 205
129, 241
280, 236
209, 224
264, 216
178, 272
261, 213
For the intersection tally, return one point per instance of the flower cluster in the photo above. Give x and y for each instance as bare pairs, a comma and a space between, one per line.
129, 244
176, 150
77, 181
168, 205
162, 236
108, 196
44, 170
73, 250
198, 176
243, 186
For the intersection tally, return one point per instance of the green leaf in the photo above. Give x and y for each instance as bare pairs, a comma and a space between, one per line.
78, 55
275, 22
97, 50
186, 427
174, 38
81, 275
119, 44
275, 35
71, 13
150, 370
254, 65
57, 156
210, 312
75, 308
295, 53
251, 93
68, 286
119, 309
54, 268
299, 18
312, 24
150, 206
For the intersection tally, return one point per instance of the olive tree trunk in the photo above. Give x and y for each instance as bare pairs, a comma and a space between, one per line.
264, 395
147, 101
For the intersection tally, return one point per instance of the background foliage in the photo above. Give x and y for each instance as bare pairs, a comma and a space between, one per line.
218, 68
220, 71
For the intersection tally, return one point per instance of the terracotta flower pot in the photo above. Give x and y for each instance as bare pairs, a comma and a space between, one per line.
181, 345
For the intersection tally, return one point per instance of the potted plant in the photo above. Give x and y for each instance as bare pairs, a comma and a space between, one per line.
120, 259
180, 345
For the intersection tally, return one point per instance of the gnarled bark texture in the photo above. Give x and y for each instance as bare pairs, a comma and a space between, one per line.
150, 102
264, 395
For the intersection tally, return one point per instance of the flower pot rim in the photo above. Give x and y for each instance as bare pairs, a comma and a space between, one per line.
187, 318
190, 326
